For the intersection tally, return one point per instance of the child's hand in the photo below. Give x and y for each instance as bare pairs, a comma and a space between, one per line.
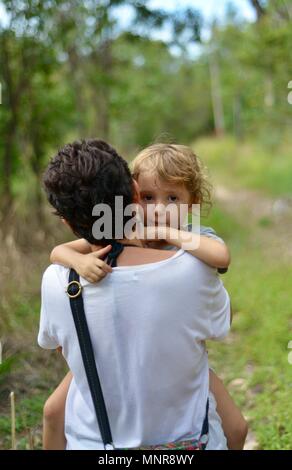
91, 267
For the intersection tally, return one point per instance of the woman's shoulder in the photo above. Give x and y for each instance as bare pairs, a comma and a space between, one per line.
55, 276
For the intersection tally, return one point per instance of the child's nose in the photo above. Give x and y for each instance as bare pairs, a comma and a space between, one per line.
160, 214
159, 209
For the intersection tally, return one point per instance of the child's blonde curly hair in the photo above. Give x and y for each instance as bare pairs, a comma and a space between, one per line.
176, 164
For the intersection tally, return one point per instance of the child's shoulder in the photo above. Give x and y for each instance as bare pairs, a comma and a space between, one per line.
206, 231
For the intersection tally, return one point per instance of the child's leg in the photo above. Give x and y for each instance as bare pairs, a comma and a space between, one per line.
233, 423
54, 416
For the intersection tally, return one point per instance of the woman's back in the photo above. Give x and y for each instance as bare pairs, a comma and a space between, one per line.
148, 324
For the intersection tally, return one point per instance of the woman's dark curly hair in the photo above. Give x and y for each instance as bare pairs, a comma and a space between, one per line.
84, 174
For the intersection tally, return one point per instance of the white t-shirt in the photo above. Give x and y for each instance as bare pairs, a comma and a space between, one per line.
148, 324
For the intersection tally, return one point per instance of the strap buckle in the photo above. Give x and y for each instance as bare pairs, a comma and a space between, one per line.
74, 289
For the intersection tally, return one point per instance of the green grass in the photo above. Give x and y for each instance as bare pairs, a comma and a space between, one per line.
27, 370
260, 290
248, 164
28, 419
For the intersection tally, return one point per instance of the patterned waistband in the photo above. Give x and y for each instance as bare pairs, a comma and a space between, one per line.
187, 444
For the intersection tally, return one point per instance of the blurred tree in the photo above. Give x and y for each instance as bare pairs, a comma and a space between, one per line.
259, 8
215, 82
28, 63
72, 70
13, 83
73, 41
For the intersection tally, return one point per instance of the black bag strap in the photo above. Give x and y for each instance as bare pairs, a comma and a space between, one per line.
74, 291
205, 428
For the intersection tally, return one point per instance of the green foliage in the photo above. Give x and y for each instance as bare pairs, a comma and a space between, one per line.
28, 413
73, 71
6, 368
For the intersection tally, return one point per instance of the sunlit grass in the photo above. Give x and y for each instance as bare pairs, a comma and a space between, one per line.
260, 291
248, 164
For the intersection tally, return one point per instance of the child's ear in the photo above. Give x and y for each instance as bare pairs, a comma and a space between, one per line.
136, 195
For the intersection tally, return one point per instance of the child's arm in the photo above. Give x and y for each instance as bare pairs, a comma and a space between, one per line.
211, 251
79, 256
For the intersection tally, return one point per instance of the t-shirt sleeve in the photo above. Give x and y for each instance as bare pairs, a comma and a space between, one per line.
207, 232
219, 311
46, 338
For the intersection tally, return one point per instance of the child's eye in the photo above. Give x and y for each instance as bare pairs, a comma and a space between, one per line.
172, 198
147, 198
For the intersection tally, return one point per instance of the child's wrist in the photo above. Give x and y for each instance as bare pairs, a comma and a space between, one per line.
76, 261
173, 236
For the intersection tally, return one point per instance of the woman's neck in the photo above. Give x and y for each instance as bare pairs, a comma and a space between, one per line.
132, 242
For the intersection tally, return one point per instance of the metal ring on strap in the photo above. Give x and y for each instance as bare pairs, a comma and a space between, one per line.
74, 283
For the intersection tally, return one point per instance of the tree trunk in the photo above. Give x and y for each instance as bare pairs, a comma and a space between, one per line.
269, 98
105, 63
237, 124
217, 103
260, 10
10, 131
7, 198
78, 86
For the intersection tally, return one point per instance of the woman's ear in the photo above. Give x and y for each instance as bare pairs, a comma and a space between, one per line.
64, 221
136, 192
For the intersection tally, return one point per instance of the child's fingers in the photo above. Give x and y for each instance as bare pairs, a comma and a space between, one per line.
103, 251
95, 277
93, 273
90, 279
104, 266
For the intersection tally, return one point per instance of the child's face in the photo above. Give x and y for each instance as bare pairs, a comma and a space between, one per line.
156, 194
